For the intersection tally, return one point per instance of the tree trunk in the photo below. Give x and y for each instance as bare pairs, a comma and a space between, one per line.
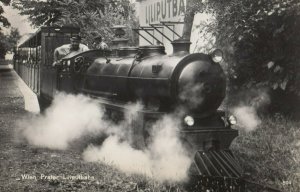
192, 6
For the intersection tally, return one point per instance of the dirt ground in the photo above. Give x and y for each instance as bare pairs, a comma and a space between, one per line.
27, 168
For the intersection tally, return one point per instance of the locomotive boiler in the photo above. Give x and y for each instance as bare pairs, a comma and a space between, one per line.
191, 81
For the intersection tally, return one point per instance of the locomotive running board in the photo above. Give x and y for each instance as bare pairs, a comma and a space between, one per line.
217, 163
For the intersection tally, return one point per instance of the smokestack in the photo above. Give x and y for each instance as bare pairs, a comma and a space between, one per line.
181, 46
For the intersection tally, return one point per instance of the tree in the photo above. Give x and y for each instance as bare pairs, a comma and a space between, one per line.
98, 19
193, 7
38, 12
2, 48
5, 40
8, 42
12, 39
93, 17
3, 21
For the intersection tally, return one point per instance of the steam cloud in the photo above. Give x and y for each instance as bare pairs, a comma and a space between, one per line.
192, 93
71, 117
247, 117
164, 159
247, 111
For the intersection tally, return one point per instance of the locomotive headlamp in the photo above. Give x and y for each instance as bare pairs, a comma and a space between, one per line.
217, 55
232, 120
189, 120
69, 62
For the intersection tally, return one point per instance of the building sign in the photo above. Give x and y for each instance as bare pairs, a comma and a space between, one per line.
156, 11
162, 10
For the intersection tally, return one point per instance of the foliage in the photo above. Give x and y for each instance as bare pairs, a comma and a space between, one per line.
3, 21
8, 42
2, 49
269, 162
93, 17
193, 7
12, 39
38, 12
95, 21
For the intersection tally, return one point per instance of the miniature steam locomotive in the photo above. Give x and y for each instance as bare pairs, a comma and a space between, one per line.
193, 84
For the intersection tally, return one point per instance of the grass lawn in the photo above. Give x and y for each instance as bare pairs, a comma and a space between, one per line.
271, 153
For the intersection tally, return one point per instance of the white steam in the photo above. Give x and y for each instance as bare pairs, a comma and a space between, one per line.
164, 159
192, 93
170, 155
118, 153
68, 118
71, 117
247, 111
247, 117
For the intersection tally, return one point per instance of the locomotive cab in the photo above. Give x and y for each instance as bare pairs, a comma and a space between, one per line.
72, 67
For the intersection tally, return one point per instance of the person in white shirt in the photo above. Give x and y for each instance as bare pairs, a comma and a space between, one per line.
99, 43
73, 48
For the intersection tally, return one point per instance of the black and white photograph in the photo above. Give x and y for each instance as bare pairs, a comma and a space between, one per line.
149, 96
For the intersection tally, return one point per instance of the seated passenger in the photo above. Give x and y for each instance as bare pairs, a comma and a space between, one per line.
73, 48
100, 44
